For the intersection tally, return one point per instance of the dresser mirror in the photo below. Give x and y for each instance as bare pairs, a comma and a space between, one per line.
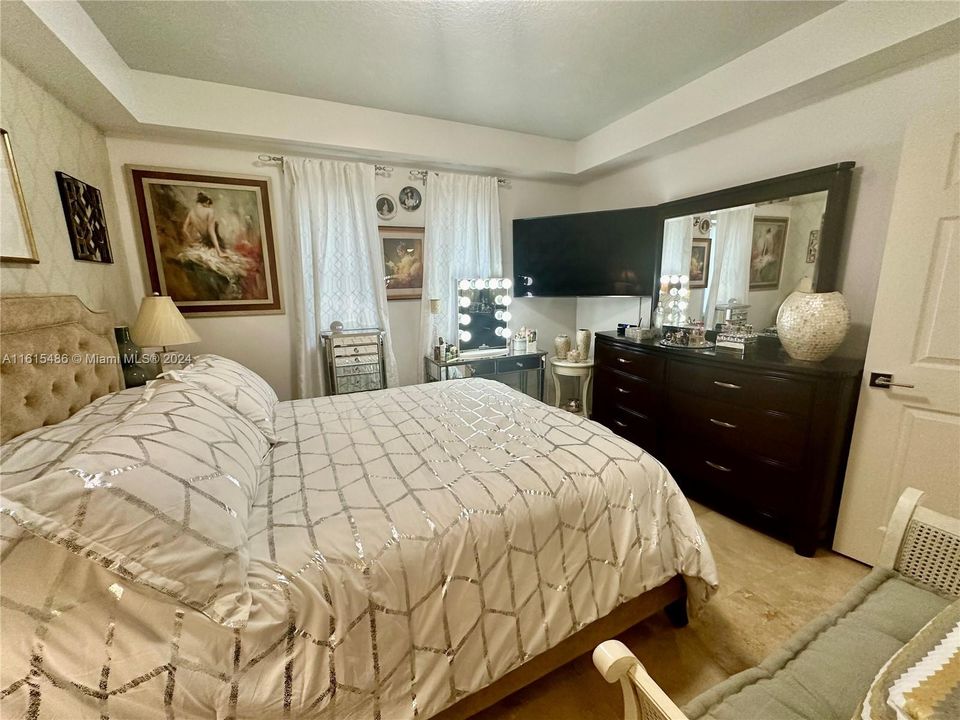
483, 315
754, 244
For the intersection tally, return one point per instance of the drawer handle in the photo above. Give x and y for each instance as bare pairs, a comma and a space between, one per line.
727, 385
723, 424
618, 423
519, 364
624, 361
623, 391
721, 468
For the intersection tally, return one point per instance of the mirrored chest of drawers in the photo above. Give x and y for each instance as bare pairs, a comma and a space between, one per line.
760, 437
354, 360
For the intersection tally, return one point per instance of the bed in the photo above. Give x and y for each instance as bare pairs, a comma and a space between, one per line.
413, 552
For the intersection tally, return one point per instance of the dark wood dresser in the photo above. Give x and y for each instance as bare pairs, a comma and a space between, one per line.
762, 438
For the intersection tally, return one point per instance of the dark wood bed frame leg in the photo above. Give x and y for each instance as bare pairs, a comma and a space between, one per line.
677, 612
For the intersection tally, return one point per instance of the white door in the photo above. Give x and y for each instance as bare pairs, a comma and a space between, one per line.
910, 436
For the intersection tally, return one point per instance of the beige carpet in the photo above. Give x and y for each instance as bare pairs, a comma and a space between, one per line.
766, 593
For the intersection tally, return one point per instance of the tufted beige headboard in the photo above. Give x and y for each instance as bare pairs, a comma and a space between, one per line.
57, 356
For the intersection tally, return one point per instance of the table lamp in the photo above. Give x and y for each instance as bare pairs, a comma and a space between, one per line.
159, 324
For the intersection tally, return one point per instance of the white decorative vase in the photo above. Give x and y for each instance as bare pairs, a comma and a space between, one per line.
561, 344
812, 325
583, 344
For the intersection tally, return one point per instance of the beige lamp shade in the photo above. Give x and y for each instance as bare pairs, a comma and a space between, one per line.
159, 323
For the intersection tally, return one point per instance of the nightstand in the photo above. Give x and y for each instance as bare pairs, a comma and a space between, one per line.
581, 370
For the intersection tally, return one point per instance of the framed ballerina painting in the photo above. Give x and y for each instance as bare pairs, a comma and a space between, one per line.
208, 240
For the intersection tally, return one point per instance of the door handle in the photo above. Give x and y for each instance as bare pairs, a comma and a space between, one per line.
885, 380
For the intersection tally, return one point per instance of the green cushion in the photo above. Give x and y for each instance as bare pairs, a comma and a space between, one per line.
825, 669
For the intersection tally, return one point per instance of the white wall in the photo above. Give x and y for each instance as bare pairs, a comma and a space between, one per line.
46, 137
264, 342
520, 198
865, 125
404, 314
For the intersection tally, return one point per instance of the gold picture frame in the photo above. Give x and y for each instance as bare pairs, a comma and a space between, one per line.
402, 261
699, 273
208, 240
26, 244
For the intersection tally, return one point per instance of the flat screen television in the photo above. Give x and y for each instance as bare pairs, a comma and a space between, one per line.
612, 252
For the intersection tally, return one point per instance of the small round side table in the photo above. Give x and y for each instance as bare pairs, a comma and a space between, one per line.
582, 370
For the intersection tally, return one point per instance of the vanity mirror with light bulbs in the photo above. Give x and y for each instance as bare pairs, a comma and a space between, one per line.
483, 316
484, 337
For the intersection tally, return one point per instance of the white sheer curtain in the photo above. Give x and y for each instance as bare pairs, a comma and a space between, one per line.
677, 244
731, 255
462, 239
337, 261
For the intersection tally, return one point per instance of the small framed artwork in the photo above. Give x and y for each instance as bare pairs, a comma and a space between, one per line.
86, 221
766, 252
402, 261
18, 244
386, 207
700, 263
208, 240
410, 198
813, 246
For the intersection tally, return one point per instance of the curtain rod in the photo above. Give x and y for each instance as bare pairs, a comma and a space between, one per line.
421, 175
382, 170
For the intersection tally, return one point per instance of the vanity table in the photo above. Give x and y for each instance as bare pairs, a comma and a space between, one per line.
524, 371
759, 436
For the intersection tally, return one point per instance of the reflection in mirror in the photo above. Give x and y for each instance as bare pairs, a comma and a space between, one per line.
752, 255
483, 315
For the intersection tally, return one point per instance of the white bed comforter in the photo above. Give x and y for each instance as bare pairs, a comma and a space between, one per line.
409, 546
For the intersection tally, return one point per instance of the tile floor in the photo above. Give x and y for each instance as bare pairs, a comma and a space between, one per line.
766, 593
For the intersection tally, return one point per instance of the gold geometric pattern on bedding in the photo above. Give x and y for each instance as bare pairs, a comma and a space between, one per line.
412, 546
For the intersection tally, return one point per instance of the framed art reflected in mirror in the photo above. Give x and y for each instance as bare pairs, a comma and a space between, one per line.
766, 251
18, 243
700, 262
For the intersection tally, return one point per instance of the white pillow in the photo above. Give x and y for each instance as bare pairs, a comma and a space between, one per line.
236, 385
28, 456
161, 498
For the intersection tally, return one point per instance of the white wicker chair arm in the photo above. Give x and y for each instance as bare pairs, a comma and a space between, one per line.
897, 527
923, 545
643, 699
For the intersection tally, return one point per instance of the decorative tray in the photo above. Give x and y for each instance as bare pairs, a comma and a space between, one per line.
706, 345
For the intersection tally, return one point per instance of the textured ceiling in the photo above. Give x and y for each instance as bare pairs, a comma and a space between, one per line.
559, 69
